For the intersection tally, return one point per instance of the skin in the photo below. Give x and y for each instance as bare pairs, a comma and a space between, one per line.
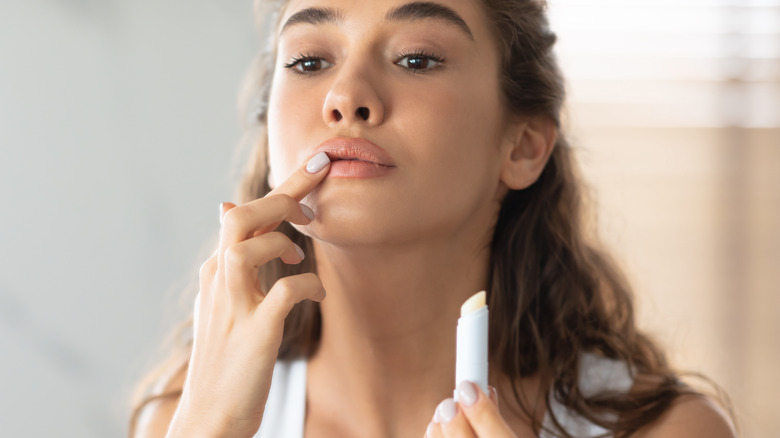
387, 351
397, 255
410, 116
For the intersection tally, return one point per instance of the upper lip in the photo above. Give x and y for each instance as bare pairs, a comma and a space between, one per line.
354, 148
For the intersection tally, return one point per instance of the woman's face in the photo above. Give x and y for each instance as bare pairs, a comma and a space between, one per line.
408, 89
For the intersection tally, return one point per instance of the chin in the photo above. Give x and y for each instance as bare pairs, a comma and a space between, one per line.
353, 214
355, 224
346, 228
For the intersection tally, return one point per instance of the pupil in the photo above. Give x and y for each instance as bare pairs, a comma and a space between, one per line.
310, 64
418, 62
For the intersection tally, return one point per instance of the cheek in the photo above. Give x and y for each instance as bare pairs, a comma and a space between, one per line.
457, 130
463, 155
290, 112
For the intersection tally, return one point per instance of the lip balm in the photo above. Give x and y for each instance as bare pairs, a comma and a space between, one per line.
471, 351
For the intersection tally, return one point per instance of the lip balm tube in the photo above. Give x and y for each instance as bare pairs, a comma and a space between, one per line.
471, 353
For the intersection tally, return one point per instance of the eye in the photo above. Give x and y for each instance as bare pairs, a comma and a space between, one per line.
306, 64
419, 62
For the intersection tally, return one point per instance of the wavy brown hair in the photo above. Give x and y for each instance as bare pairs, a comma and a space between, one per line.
553, 292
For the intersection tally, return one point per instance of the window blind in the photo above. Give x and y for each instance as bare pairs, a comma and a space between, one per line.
694, 63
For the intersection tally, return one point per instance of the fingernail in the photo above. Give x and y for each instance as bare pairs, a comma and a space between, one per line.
467, 395
447, 410
299, 251
307, 211
221, 211
429, 430
317, 163
493, 394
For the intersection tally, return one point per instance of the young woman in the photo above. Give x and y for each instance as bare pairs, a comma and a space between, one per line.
415, 147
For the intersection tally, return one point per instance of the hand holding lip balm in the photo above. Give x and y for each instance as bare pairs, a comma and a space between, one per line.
471, 359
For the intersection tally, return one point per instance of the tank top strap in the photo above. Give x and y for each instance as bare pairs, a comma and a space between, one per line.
285, 409
596, 374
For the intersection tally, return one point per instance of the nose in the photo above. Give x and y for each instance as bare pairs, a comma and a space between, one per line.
352, 99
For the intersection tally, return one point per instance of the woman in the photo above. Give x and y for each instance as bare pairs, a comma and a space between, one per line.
416, 149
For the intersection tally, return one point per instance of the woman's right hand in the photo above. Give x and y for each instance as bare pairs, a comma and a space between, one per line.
237, 326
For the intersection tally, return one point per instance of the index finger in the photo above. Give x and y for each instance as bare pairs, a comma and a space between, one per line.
305, 179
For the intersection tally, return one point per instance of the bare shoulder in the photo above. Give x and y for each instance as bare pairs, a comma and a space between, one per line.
690, 416
156, 415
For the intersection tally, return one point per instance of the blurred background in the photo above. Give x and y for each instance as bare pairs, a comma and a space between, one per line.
118, 128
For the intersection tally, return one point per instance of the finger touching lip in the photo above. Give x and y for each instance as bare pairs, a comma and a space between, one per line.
302, 181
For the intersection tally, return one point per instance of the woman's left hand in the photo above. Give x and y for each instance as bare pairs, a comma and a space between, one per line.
474, 415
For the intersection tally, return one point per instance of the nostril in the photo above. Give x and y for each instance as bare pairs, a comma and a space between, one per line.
362, 112
337, 115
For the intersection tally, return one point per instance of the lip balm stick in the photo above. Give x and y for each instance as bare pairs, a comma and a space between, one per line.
471, 355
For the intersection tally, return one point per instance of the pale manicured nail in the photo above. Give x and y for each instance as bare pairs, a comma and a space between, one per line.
299, 251
307, 211
446, 410
467, 395
221, 211
429, 430
317, 162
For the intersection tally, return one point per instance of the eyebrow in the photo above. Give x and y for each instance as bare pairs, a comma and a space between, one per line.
426, 10
408, 12
313, 16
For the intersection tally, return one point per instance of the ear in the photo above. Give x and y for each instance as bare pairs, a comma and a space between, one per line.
528, 147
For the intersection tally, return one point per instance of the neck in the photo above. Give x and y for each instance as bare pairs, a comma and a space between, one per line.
389, 320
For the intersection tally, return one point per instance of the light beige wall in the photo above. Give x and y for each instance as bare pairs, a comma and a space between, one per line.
694, 215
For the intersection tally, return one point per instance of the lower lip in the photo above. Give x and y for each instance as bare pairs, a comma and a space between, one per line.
357, 169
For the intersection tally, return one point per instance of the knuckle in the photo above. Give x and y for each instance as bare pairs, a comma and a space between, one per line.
233, 217
285, 201
277, 238
289, 201
289, 290
278, 301
235, 255
208, 268
284, 288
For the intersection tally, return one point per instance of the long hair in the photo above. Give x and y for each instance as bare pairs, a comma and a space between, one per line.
553, 293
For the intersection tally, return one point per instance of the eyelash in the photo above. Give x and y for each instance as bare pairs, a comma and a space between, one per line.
303, 57
428, 56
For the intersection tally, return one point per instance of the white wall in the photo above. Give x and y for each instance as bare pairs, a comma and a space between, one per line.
117, 128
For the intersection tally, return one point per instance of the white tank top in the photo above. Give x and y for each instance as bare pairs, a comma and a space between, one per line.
285, 409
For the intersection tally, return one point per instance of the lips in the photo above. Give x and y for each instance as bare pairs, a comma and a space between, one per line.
354, 149
355, 158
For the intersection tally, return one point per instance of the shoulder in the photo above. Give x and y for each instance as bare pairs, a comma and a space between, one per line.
690, 416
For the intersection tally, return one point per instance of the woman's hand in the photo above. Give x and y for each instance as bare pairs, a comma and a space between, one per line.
237, 326
474, 415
